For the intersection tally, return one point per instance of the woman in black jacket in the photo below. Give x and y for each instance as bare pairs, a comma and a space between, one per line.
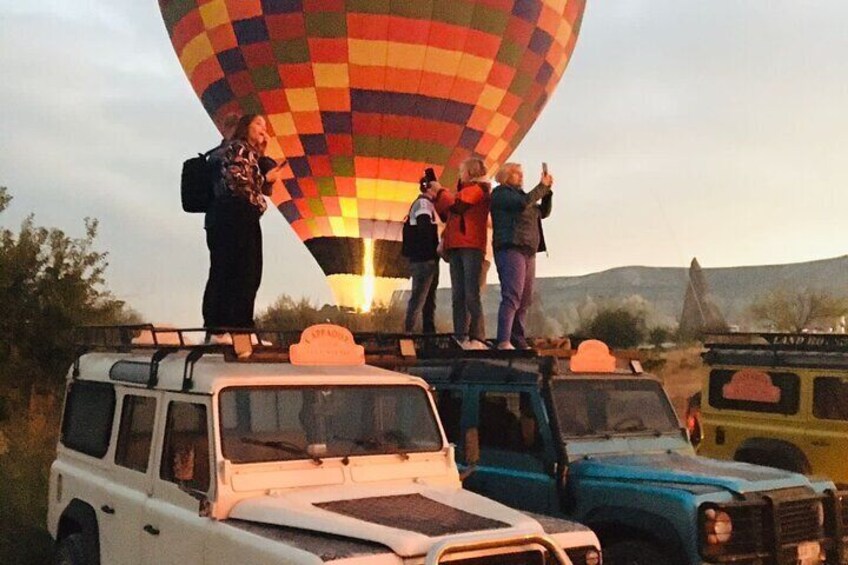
233, 233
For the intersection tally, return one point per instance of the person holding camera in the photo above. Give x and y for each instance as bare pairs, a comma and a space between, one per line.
420, 243
464, 242
233, 233
516, 238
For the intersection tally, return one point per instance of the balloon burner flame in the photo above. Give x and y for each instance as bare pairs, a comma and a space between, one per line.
368, 278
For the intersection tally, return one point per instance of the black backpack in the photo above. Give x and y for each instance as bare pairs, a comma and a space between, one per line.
197, 183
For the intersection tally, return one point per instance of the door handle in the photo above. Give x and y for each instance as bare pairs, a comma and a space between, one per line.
151, 530
820, 443
107, 509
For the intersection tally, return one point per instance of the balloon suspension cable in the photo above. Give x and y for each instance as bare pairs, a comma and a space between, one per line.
368, 279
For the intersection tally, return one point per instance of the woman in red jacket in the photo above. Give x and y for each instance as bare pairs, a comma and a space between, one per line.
466, 215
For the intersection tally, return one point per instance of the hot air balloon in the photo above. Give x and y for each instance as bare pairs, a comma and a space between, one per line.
362, 95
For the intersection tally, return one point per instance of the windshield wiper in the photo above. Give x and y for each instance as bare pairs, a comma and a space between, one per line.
372, 443
282, 445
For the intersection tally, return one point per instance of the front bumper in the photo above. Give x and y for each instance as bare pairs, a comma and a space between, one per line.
836, 523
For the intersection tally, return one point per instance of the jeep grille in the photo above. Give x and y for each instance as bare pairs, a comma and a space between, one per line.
761, 530
748, 530
522, 558
843, 500
799, 521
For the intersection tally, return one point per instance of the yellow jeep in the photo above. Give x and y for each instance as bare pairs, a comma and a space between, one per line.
779, 400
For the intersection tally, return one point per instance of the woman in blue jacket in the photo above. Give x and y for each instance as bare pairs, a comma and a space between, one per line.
517, 237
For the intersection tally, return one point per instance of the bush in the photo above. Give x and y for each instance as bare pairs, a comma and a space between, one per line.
49, 283
617, 327
289, 314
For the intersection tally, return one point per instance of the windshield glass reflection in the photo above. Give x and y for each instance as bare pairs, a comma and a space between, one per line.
288, 423
609, 407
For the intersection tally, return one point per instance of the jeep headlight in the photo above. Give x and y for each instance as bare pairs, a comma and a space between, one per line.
592, 557
718, 526
820, 513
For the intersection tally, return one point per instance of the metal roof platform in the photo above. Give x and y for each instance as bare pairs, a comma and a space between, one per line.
791, 350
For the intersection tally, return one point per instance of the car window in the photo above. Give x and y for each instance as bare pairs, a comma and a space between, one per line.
754, 390
135, 432
87, 423
830, 398
604, 407
509, 432
185, 453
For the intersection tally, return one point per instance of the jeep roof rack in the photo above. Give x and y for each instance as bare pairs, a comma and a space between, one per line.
258, 345
801, 341
802, 350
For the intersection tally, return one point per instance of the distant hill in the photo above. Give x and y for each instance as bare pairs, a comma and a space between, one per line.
660, 290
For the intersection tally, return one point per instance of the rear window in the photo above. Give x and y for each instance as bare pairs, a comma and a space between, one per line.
830, 398
136, 432
753, 390
87, 425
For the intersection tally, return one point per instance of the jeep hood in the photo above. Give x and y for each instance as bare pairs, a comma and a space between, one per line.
408, 521
681, 470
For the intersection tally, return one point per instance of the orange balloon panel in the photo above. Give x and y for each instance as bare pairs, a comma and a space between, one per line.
362, 95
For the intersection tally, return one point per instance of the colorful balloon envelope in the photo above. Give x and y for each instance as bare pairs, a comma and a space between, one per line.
362, 95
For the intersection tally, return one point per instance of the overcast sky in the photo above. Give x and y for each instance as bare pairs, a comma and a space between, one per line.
681, 128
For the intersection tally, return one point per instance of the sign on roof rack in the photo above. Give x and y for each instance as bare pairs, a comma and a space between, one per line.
326, 344
593, 356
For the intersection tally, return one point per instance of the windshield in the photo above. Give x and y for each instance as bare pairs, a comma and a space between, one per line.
612, 407
287, 423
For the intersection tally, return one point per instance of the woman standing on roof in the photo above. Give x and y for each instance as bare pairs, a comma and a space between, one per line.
517, 237
466, 215
233, 233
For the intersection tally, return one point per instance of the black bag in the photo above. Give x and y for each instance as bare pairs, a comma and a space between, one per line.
407, 238
197, 183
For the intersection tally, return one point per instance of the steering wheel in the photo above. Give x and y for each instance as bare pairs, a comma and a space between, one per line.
629, 423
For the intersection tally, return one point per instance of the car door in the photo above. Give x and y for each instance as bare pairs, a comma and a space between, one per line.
516, 456
827, 434
173, 530
121, 513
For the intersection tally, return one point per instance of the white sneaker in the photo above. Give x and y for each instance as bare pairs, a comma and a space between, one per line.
474, 345
506, 346
254, 340
220, 339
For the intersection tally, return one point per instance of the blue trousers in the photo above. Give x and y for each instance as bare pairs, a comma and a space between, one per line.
466, 265
517, 273
422, 297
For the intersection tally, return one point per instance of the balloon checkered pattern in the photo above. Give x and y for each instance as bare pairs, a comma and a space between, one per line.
361, 95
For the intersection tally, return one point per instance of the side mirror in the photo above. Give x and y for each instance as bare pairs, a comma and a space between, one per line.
204, 506
472, 447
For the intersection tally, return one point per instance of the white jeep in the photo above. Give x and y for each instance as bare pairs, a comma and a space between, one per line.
173, 453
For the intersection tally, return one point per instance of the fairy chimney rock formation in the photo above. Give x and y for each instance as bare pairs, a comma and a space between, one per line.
700, 314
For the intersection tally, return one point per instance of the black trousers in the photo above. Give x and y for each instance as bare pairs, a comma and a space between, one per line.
234, 239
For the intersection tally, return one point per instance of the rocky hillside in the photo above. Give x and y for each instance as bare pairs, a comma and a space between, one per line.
565, 300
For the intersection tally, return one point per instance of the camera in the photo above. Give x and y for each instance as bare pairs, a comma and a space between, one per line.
429, 176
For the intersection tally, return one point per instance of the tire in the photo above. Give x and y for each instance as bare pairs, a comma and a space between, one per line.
631, 552
75, 549
786, 461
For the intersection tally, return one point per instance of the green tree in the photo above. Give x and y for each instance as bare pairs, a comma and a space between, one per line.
791, 310
658, 335
289, 314
617, 327
49, 283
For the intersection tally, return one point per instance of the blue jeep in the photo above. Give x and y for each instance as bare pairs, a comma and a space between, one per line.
595, 439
